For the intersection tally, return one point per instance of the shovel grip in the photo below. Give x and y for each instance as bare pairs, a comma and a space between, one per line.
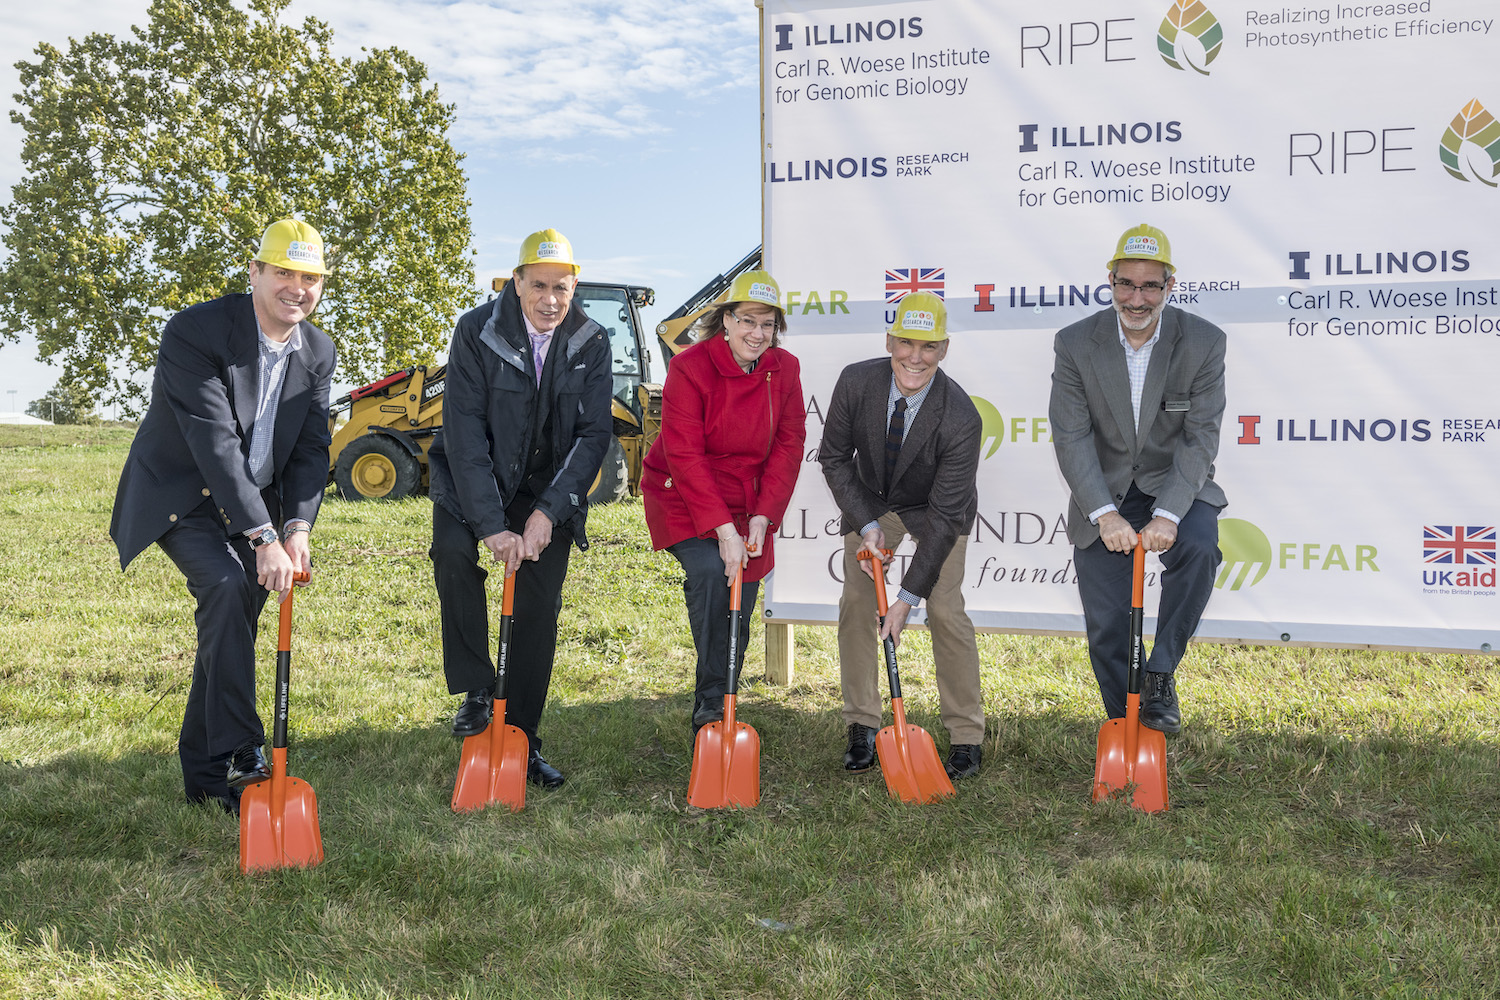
881, 607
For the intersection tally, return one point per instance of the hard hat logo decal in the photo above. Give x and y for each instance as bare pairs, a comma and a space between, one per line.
1141, 246
762, 292
549, 250
307, 253
917, 319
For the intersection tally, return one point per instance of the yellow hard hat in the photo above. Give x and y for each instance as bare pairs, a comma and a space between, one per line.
294, 245
920, 316
755, 286
1143, 242
547, 246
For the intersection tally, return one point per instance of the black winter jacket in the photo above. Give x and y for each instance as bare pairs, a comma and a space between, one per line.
491, 417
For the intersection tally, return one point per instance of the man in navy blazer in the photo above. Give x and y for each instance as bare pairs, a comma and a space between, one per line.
900, 452
1137, 399
226, 474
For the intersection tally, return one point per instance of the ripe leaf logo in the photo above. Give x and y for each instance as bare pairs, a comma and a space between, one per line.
992, 425
1472, 125
1246, 550
1189, 18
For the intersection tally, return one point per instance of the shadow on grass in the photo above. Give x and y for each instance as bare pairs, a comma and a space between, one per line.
415, 898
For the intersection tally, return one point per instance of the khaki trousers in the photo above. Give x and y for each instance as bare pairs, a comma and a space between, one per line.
955, 653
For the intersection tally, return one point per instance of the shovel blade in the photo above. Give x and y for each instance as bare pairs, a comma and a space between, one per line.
913, 773
492, 767
726, 772
1142, 777
284, 836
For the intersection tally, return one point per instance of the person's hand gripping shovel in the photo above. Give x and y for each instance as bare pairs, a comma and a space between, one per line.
1132, 758
493, 765
908, 757
726, 754
279, 816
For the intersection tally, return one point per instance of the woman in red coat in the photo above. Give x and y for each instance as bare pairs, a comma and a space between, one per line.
719, 477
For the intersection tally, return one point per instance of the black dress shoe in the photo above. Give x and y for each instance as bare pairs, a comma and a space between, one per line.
247, 765
963, 760
861, 753
539, 772
1159, 703
474, 714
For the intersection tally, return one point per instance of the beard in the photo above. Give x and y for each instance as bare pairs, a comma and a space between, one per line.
1136, 322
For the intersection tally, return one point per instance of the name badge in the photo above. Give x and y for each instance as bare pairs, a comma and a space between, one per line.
1175, 405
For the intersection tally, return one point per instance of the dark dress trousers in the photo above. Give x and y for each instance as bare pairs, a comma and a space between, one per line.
1166, 462
186, 486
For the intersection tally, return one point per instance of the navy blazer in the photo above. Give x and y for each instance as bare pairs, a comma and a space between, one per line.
194, 441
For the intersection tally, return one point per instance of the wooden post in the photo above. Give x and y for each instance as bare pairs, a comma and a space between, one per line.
779, 653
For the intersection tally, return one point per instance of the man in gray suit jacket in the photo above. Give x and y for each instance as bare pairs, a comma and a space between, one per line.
226, 474
1137, 399
900, 452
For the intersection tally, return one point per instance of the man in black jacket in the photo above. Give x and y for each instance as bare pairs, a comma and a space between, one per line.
900, 452
226, 475
526, 423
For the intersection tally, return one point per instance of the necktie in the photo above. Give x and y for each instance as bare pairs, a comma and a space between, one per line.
893, 436
539, 343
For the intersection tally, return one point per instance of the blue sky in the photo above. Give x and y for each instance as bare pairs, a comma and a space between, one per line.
632, 126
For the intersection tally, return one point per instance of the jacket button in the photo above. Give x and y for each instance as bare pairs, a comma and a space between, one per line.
668, 483
171, 517
1120, 496
205, 491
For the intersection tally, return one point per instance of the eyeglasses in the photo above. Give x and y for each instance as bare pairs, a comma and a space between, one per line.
765, 326
1150, 289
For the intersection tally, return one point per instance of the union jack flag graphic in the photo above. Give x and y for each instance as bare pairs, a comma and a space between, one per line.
1458, 544
901, 280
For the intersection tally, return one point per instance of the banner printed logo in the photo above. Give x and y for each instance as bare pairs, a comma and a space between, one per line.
1458, 544
992, 425
1476, 125
1246, 549
899, 282
1189, 17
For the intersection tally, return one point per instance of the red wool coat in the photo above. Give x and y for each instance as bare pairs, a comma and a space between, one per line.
730, 446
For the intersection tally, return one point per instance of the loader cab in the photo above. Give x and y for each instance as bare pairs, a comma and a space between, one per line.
617, 309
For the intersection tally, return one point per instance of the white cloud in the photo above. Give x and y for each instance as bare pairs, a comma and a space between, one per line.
536, 72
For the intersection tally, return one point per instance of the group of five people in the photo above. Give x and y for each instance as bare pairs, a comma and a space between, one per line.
229, 467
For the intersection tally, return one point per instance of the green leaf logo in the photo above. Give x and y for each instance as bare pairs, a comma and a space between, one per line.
1472, 124
992, 425
1246, 550
1193, 18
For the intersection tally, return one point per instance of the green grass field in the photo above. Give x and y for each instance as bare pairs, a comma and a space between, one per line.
1334, 831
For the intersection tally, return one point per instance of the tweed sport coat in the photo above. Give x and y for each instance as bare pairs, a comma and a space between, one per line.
1100, 450
933, 487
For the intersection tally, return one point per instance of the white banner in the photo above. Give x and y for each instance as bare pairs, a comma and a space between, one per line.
1328, 178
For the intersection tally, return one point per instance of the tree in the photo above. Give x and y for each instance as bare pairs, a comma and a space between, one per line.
153, 164
65, 404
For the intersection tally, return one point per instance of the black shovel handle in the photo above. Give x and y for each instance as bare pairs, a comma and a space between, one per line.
284, 665
507, 606
1137, 620
892, 674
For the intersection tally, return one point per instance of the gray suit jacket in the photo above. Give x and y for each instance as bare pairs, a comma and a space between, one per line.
194, 442
933, 488
1099, 448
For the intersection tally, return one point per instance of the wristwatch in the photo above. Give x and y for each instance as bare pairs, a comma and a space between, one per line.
264, 536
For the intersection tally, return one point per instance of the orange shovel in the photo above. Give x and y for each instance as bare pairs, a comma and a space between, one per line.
279, 816
908, 757
726, 754
493, 765
1132, 756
